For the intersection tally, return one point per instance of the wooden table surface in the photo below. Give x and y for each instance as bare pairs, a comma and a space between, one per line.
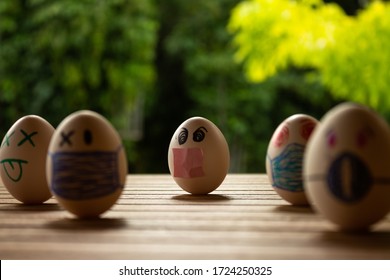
155, 219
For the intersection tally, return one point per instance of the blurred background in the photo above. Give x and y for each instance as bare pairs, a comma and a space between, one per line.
149, 65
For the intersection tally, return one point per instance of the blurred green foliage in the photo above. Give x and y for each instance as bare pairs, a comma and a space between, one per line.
205, 81
348, 55
197, 75
60, 56
148, 65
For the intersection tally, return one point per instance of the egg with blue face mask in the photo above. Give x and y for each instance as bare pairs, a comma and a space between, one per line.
23, 159
86, 164
347, 167
198, 156
284, 158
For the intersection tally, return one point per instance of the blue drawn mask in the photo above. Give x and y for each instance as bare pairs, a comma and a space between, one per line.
287, 168
85, 175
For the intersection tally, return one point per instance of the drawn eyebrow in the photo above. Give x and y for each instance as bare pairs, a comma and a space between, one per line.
202, 127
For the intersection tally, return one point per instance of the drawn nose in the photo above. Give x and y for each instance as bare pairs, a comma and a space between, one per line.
349, 179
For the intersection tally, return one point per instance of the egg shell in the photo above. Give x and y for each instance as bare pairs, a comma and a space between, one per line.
198, 156
23, 159
87, 165
347, 167
284, 158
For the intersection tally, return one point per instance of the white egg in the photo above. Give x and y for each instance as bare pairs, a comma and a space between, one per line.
23, 159
347, 167
285, 157
86, 166
198, 156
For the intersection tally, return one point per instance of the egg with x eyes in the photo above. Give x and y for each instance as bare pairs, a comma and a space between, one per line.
86, 165
347, 167
285, 157
198, 156
23, 159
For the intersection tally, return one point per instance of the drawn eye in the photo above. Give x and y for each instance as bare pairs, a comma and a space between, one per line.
66, 138
331, 139
282, 136
199, 134
364, 136
306, 129
27, 138
183, 136
7, 138
87, 137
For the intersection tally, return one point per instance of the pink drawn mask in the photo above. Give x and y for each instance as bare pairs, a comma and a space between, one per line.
187, 162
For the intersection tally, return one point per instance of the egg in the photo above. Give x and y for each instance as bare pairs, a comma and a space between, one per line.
198, 156
86, 164
23, 159
347, 167
284, 158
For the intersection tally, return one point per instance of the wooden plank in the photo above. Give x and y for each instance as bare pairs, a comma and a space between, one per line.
155, 219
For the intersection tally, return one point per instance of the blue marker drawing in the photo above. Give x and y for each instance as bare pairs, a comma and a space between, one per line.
349, 178
287, 168
85, 175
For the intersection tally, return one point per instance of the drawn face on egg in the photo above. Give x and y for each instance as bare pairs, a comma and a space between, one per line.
23, 159
346, 167
349, 176
198, 156
17, 139
188, 159
84, 159
285, 157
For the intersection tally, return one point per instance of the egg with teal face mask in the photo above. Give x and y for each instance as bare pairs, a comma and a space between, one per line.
23, 159
284, 158
347, 167
198, 156
86, 164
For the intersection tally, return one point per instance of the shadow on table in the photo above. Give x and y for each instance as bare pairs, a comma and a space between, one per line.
375, 242
294, 209
87, 224
201, 198
30, 207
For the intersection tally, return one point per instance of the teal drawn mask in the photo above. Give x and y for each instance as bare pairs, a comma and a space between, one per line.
287, 168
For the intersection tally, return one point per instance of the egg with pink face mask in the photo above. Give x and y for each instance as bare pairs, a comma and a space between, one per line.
198, 156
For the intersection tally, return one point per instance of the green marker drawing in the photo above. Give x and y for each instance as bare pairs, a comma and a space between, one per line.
27, 137
6, 139
11, 162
